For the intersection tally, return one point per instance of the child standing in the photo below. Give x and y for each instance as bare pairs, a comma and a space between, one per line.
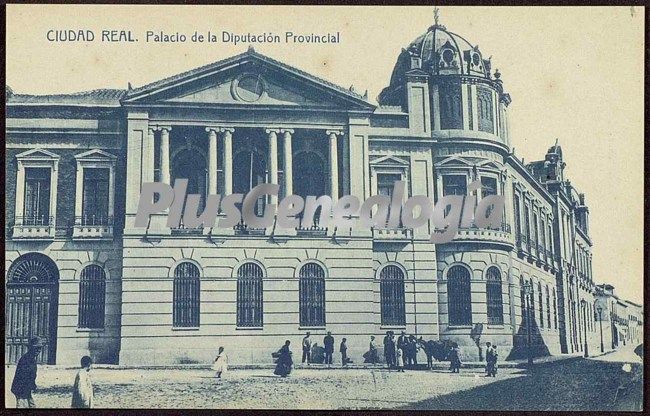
220, 363
400, 360
82, 391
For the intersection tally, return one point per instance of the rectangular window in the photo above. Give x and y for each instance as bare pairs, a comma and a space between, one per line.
37, 196
517, 218
453, 185
385, 182
488, 187
95, 196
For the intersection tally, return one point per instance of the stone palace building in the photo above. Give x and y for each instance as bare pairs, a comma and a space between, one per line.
81, 275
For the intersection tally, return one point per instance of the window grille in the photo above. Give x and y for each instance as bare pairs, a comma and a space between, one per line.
249, 295
494, 297
186, 308
92, 297
312, 295
459, 296
391, 288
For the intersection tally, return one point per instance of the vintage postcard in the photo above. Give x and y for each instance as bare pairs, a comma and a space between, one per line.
324, 207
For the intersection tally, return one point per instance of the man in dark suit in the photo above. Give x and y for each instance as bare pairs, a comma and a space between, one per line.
25, 378
328, 343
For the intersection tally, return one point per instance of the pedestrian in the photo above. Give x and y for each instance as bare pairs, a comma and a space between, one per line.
306, 349
400, 360
328, 343
488, 359
389, 349
373, 357
412, 352
82, 391
344, 353
25, 378
283, 366
454, 358
220, 364
428, 350
495, 359
402, 341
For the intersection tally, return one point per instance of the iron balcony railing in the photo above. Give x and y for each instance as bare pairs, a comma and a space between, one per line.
36, 220
93, 220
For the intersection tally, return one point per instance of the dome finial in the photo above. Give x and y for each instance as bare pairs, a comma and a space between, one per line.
436, 15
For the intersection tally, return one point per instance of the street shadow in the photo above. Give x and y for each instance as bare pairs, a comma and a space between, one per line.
538, 347
565, 385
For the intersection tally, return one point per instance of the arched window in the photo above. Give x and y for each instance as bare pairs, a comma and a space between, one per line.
312, 295
522, 299
92, 297
494, 296
554, 309
249, 295
249, 170
541, 305
310, 167
548, 307
187, 289
531, 305
190, 164
459, 296
391, 288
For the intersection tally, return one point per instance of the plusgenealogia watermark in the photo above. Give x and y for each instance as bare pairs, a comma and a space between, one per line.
379, 211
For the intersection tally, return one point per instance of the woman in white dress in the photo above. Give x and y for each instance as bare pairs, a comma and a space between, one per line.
82, 391
220, 363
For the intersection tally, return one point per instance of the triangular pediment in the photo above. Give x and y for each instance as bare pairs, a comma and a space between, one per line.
390, 160
95, 154
452, 161
249, 79
38, 154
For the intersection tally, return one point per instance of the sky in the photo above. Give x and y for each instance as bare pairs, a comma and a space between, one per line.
574, 73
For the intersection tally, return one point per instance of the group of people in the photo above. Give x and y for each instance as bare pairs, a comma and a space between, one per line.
403, 352
24, 382
399, 353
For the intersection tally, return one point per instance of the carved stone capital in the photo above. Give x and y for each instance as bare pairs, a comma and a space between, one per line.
336, 132
272, 130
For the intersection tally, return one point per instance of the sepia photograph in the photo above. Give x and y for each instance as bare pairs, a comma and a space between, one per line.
324, 207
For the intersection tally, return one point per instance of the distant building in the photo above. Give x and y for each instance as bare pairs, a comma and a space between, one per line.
80, 274
621, 320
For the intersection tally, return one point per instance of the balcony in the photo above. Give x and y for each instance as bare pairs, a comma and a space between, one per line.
502, 235
244, 229
182, 229
313, 231
93, 227
392, 234
39, 227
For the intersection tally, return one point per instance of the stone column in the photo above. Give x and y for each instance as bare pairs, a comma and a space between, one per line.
212, 160
227, 160
334, 164
288, 162
273, 160
165, 172
148, 162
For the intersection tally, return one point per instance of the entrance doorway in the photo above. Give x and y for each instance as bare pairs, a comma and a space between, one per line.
31, 306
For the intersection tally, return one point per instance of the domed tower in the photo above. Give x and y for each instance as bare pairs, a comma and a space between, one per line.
451, 94
464, 94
